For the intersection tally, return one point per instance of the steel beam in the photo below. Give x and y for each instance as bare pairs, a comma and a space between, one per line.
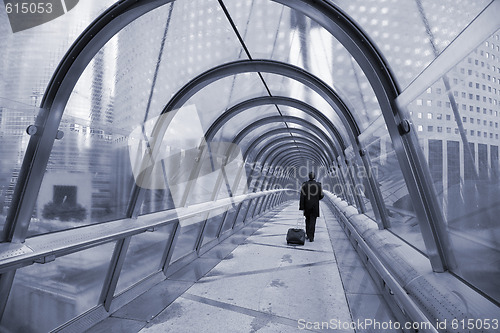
279, 143
309, 143
6, 280
272, 67
305, 152
282, 133
275, 100
333, 147
286, 159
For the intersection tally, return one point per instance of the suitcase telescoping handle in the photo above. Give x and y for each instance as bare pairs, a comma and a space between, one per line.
300, 222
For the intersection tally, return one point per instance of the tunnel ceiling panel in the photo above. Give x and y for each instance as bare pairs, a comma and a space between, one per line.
283, 86
294, 112
262, 135
258, 133
317, 131
177, 49
287, 144
190, 46
214, 99
397, 28
284, 127
273, 31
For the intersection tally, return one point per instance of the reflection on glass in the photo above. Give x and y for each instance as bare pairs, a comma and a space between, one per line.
29, 59
44, 297
170, 157
88, 178
460, 139
189, 233
252, 209
213, 224
229, 219
221, 174
143, 256
241, 213
387, 172
273, 31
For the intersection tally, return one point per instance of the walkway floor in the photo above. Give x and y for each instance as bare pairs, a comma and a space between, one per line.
263, 285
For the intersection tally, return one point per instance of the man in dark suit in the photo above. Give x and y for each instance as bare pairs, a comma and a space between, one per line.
310, 195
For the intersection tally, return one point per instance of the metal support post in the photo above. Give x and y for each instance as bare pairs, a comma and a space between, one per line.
114, 270
236, 215
378, 204
6, 280
169, 249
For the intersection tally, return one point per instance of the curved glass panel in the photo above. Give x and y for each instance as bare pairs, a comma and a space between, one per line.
398, 29
289, 111
90, 175
214, 220
457, 120
283, 86
189, 233
246, 118
46, 296
319, 136
29, 58
216, 173
386, 171
143, 257
240, 218
257, 137
180, 45
273, 31
224, 93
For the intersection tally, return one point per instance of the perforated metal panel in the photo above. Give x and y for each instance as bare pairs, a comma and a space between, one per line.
13, 250
441, 303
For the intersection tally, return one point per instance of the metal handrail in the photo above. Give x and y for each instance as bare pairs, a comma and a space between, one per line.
46, 248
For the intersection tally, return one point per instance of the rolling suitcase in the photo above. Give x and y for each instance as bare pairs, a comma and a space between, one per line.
296, 236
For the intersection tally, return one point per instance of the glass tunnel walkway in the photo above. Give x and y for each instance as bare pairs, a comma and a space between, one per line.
146, 144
